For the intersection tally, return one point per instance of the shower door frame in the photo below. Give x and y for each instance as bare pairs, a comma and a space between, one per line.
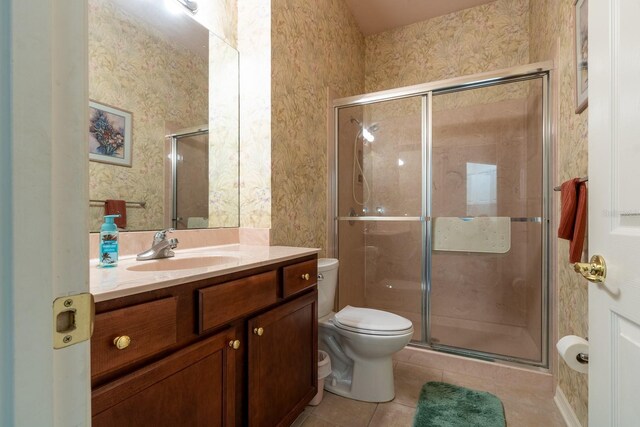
183, 133
426, 91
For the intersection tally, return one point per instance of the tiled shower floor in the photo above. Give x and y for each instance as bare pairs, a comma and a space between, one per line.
528, 402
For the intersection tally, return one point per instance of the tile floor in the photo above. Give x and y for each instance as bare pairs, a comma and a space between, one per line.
524, 406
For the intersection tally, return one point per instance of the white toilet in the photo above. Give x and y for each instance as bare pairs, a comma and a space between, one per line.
359, 341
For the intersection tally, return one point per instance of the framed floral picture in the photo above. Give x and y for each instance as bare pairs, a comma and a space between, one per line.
109, 134
582, 54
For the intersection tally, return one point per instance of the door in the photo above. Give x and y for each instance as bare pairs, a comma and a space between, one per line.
193, 387
43, 209
191, 180
614, 211
488, 276
283, 357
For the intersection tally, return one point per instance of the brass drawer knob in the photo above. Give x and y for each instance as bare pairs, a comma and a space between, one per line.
235, 344
305, 276
122, 342
258, 331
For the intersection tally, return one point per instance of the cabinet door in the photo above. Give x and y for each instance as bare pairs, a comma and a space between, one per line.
283, 357
193, 387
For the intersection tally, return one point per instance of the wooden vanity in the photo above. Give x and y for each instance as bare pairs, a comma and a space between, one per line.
232, 350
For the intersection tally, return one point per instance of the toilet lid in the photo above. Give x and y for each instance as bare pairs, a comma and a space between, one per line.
368, 319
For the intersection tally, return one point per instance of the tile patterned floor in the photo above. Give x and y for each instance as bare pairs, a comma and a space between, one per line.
523, 407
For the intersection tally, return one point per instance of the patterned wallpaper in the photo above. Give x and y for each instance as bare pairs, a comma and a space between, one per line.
138, 71
254, 43
315, 45
483, 38
552, 26
223, 206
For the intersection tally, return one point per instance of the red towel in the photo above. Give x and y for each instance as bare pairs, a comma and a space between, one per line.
580, 227
568, 206
114, 207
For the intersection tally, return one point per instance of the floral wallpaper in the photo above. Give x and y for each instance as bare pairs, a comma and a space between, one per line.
254, 43
138, 71
552, 26
315, 45
483, 38
223, 206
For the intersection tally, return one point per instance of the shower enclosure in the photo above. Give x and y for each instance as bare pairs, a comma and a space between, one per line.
189, 162
442, 212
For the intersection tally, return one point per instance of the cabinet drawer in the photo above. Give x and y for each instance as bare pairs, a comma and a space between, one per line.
298, 277
150, 326
222, 303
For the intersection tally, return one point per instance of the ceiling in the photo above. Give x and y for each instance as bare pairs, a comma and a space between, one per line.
376, 16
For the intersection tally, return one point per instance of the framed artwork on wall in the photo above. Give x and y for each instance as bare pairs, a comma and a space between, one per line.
582, 54
110, 132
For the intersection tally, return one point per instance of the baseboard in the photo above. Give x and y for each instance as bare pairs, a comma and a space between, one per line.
565, 409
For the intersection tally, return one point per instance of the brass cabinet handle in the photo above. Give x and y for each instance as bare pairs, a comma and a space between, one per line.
258, 331
305, 276
234, 344
122, 342
595, 271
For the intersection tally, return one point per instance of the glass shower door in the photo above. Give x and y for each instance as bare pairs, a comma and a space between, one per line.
487, 210
191, 184
380, 218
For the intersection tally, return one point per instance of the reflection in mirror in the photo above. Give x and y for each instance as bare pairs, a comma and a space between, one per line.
156, 62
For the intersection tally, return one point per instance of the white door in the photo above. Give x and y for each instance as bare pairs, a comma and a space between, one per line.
43, 209
614, 211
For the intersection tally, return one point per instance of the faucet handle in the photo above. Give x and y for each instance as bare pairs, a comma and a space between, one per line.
162, 235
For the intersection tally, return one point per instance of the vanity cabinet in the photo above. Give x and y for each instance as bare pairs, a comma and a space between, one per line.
283, 360
202, 375
233, 350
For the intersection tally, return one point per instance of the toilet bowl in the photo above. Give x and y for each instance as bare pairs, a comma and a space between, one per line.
359, 341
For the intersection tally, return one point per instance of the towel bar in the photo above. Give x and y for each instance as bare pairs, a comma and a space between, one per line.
559, 187
141, 204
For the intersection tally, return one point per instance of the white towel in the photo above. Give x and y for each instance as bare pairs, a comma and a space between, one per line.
483, 234
197, 222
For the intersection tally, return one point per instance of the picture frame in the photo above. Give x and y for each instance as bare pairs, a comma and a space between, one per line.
581, 63
110, 134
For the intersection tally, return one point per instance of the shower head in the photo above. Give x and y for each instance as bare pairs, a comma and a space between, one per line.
367, 132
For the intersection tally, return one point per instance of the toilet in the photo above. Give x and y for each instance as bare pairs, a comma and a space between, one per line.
360, 342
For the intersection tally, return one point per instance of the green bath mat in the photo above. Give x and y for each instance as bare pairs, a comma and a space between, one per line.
447, 405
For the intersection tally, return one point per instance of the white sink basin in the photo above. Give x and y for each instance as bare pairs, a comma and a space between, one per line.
182, 263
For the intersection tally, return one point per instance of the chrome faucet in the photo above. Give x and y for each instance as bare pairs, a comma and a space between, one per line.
161, 248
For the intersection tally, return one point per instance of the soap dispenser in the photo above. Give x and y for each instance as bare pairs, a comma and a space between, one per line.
108, 242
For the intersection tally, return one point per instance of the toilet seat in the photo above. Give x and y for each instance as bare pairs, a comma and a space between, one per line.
371, 322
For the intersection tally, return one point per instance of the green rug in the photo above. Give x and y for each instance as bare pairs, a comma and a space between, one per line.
447, 405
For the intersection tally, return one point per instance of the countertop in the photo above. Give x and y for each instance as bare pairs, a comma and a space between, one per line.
119, 281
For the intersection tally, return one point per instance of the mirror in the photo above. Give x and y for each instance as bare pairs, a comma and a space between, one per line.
163, 118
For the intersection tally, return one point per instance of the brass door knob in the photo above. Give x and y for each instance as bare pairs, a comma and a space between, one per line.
595, 271
305, 276
235, 344
122, 342
258, 331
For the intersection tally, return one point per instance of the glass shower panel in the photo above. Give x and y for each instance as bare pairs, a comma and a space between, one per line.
380, 159
192, 182
487, 229
380, 206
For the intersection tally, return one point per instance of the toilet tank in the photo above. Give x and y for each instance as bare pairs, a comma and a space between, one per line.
327, 284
